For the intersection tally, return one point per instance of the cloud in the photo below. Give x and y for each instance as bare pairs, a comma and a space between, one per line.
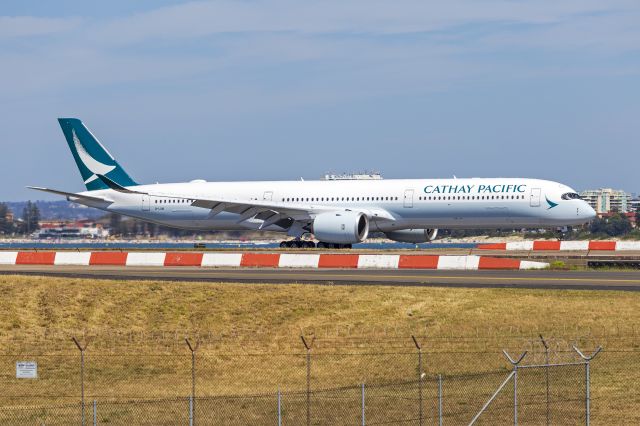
28, 26
291, 52
198, 19
333, 73
610, 32
76, 68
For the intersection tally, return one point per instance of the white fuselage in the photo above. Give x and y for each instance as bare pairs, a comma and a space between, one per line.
407, 204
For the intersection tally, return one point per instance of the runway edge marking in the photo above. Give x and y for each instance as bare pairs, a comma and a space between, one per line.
544, 245
267, 260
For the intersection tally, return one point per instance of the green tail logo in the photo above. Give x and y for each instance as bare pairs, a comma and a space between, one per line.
94, 166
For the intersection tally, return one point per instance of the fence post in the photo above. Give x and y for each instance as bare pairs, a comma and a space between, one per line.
420, 377
546, 371
308, 347
192, 398
279, 408
364, 422
587, 362
515, 363
439, 399
95, 413
81, 349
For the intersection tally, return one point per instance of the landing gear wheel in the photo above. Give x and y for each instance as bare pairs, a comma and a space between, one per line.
297, 244
333, 245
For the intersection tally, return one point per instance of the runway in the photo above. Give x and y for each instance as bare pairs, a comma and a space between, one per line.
542, 279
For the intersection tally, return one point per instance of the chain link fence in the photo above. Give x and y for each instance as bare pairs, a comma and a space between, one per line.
302, 388
430, 401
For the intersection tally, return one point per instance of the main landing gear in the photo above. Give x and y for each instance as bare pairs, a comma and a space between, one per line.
333, 245
297, 244
311, 244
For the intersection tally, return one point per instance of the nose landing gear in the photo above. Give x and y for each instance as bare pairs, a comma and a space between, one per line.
562, 232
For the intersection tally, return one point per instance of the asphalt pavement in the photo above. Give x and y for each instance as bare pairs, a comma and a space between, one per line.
542, 279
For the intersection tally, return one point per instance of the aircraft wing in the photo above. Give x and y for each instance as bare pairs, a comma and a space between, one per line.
272, 211
268, 211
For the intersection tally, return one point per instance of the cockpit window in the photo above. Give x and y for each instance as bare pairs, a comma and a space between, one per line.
571, 196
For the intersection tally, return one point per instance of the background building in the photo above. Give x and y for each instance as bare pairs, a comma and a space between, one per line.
605, 200
81, 229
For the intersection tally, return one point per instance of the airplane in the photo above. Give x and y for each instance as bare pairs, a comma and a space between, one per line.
338, 213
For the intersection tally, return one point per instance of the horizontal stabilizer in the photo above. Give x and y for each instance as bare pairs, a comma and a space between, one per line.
71, 194
116, 187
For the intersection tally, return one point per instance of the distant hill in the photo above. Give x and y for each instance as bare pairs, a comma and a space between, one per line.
57, 210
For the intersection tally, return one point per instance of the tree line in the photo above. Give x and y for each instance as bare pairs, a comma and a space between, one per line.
614, 226
26, 224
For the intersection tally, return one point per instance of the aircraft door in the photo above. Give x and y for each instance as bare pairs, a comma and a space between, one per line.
534, 197
268, 196
408, 198
146, 203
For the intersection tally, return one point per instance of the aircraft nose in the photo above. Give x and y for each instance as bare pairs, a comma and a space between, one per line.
588, 213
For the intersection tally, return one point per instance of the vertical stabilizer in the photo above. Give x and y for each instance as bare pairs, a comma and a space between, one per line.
91, 157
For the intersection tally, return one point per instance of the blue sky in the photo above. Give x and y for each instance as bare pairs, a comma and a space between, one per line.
283, 89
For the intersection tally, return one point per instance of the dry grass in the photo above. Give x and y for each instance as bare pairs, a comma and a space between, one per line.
135, 332
32, 305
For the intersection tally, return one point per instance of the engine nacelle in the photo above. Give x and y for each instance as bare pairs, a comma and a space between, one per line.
414, 236
341, 227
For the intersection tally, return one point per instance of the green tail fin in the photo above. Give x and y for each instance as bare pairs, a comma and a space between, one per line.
91, 157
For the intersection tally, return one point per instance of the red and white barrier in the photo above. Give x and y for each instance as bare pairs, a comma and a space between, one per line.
265, 260
563, 246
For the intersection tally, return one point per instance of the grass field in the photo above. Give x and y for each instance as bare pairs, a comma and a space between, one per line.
250, 337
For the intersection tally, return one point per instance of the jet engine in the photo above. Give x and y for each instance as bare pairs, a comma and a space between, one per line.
412, 235
344, 227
